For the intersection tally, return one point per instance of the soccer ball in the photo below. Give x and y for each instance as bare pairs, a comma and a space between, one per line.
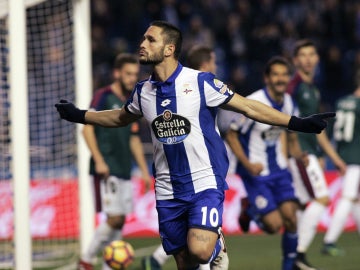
118, 254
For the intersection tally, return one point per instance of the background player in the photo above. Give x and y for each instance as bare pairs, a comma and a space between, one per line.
310, 186
262, 154
201, 58
111, 157
347, 138
190, 160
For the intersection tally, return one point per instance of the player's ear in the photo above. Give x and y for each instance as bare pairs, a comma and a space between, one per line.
169, 50
116, 74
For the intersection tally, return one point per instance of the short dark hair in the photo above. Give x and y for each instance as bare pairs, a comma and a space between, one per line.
125, 58
198, 55
172, 35
302, 43
277, 60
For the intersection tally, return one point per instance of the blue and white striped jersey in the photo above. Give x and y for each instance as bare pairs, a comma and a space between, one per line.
189, 154
261, 142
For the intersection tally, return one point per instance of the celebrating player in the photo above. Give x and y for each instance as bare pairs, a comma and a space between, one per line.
190, 159
201, 58
261, 150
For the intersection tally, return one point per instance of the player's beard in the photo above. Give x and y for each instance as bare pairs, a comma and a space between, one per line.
155, 59
126, 87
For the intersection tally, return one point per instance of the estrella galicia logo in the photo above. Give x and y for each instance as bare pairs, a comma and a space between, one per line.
170, 128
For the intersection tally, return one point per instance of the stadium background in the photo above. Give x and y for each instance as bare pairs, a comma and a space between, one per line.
244, 34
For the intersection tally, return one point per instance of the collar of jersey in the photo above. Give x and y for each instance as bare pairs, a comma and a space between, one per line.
275, 104
170, 80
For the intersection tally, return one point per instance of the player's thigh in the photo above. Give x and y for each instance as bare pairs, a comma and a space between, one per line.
116, 196
297, 171
201, 242
261, 198
203, 211
282, 188
311, 183
272, 220
351, 182
317, 178
206, 210
173, 224
205, 218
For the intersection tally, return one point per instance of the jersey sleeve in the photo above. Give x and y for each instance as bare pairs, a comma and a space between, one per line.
216, 92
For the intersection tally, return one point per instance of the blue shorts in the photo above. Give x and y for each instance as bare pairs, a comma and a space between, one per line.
201, 210
266, 193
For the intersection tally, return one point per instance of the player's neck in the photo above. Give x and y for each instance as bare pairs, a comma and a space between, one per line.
165, 69
278, 98
118, 91
306, 77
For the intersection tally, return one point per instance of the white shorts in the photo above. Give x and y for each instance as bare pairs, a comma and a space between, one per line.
116, 196
351, 182
309, 182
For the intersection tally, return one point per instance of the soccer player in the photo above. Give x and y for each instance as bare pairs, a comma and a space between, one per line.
310, 184
190, 159
347, 138
201, 58
261, 150
111, 157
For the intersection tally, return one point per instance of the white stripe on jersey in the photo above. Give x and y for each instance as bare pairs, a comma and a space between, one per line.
191, 156
261, 141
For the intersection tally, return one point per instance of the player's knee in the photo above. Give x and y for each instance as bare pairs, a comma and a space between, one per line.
272, 224
116, 222
273, 228
290, 223
200, 254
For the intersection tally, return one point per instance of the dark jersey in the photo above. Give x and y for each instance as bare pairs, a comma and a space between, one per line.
114, 143
347, 129
307, 98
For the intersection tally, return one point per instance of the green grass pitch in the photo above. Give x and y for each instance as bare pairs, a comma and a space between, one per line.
262, 252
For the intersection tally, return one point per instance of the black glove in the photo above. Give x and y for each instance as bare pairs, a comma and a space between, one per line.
69, 112
312, 124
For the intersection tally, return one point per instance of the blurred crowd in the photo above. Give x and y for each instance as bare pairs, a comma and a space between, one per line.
244, 34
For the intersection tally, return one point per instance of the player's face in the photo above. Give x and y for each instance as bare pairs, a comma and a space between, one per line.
127, 76
152, 47
307, 59
278, 79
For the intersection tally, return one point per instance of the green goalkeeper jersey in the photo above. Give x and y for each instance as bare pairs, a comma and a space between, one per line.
347, 129
113, 143
307, 98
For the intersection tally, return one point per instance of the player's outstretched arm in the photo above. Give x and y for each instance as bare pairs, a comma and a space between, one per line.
108, 118
268, 115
